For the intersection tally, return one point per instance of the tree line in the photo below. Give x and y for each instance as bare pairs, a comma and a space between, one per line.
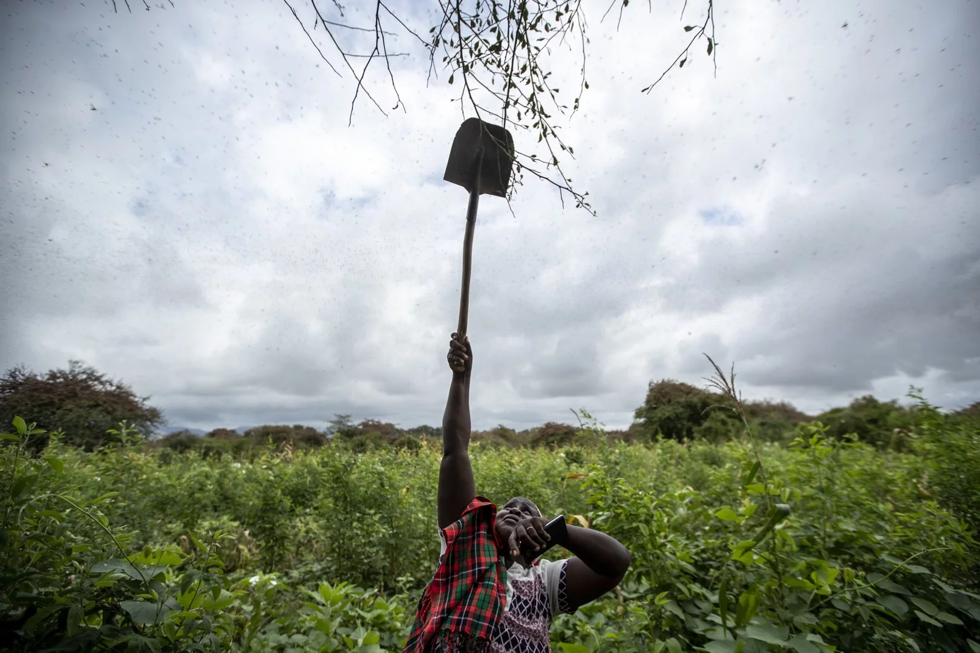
84, 406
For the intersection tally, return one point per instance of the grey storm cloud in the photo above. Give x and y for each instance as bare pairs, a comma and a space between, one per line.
185, 207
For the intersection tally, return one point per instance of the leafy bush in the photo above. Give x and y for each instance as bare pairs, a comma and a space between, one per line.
80, 401
296, 435
814, 555
675, 410
952, 445
826, 544
680, 411
72, 580
879, 423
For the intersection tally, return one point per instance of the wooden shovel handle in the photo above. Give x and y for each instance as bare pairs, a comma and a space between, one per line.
464, 295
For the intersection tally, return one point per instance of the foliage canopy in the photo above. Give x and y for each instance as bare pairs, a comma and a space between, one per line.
500, 54
79, 400
826, 544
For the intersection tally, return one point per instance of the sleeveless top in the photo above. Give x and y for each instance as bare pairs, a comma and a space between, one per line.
534, 597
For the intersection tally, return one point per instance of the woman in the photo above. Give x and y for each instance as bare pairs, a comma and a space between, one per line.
484, 596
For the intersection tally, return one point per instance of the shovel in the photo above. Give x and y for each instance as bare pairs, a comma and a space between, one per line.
480, 162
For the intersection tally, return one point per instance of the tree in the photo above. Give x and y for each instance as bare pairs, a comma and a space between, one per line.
970, 412
500, 435
872, 421
181, 441
339, 425
677, 410
554, 434
224, 434
372, 430
79, 401
497, 51
297, 434
426, 431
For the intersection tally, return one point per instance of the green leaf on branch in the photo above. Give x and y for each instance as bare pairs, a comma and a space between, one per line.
723, 646
748, 605
801, 644
145, 612
949, 618
22, 484
926, 618
960, 601
768, 633
157, 558
779, 512
727, 514
121, 567
572, 648
75, 616
893, 604
927, 606
893, 587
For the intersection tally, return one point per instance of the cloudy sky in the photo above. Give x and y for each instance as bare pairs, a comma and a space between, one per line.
184, 206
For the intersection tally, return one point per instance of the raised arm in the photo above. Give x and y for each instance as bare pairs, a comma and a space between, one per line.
599, 564
456, 486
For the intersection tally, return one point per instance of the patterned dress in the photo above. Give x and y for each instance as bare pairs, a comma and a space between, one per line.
534, 597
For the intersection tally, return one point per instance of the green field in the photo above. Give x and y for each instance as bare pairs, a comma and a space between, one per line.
136, 547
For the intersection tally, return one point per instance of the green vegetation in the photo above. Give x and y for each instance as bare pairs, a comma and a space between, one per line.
822, 544
85, 405
80, 401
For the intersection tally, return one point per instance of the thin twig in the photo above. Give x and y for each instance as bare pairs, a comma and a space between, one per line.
391, 76
407, 28
349, 66
319, 51
683, 55
356, 29
370, 58
608, 9
387, 54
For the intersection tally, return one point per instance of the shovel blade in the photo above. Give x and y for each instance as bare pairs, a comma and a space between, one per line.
498, 157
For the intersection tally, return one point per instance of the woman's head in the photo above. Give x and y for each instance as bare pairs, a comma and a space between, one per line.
510, 514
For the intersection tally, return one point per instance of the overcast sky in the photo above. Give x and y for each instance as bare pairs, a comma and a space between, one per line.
184, 206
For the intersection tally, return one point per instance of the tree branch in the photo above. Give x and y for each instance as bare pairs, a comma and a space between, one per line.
486, 42
319, 51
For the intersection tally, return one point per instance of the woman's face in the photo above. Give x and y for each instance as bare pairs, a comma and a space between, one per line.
513, 512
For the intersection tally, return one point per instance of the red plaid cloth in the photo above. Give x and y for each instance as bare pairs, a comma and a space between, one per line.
465, 599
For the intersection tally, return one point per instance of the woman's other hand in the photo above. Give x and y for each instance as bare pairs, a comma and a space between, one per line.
529, 534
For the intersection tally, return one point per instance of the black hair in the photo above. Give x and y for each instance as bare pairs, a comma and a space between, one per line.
525, 502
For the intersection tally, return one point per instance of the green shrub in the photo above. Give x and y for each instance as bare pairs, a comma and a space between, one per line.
869, 556
878, 423
951, 444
